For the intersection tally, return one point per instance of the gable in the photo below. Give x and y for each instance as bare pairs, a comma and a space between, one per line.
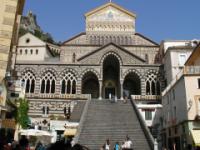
111, 14
30, 40
110, 6
96, 56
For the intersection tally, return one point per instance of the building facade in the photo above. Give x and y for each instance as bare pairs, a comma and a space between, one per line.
10, 14
108, 59
180, 99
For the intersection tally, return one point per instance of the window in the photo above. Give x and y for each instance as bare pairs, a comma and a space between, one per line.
74, 58
26, 51
27, 40
14, 95
173, 92
29, 82
174, 111
199, 107
36, 51
198, 83
148, 114
31, 51
146, 58
182, 59
20, 51
68, 84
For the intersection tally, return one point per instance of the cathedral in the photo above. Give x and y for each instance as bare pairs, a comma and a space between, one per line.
108, 60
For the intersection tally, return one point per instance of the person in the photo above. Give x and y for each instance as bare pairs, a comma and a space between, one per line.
123, 146
128, 143
125, 100
39, 146
117, 146
107, 145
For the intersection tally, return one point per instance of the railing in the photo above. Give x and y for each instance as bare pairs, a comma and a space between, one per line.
187, 70
146, 97
83, 117
61, 96
147, 133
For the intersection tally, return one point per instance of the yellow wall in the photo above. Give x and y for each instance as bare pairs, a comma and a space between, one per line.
9, 11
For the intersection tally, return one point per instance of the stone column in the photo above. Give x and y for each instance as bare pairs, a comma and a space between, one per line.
121, 89
143, 86
58, 86
37, 86
78, 86
100, 89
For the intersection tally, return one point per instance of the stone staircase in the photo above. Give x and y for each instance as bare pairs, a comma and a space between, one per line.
105, 119
78, 110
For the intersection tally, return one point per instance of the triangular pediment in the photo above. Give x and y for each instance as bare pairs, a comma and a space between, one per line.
29, 39
126, 57
110, 12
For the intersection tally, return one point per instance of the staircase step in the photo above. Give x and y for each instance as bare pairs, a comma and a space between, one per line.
105, 119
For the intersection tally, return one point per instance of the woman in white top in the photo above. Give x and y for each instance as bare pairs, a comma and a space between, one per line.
107, 145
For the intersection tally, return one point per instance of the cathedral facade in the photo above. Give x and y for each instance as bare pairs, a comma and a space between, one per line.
109, 58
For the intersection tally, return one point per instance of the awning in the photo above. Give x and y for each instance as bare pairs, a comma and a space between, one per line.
196, 137
70, 132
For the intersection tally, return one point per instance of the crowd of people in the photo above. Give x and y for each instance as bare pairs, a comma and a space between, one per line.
23, 144
126, 145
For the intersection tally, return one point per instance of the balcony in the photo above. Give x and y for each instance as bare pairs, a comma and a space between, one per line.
146, 97
192, 70
60, 96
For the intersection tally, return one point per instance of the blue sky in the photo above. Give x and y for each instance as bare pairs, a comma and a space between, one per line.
157, 19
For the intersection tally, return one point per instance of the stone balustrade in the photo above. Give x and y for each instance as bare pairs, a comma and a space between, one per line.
61, 96
146, 97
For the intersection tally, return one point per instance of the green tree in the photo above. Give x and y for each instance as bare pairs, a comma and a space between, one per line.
20, 112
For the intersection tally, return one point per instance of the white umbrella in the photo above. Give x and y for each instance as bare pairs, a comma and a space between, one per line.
33, 132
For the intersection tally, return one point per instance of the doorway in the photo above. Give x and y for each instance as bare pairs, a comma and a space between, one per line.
109, 91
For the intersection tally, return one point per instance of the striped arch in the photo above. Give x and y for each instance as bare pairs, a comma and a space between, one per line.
132, 82
90, 70
29, 69
63, 72
111, 53
53, 71
132, 71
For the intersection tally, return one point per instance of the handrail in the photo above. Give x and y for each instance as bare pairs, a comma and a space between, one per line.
82, 120
147, 133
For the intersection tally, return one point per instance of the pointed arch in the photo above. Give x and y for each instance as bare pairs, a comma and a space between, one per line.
111, 53
48, 82
68, 81
28, 79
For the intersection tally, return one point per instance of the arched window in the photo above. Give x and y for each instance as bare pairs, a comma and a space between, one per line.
152, 85
68, 84
74, 58
29, 82
48, 83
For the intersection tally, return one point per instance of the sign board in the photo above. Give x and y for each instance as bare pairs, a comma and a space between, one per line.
8, 123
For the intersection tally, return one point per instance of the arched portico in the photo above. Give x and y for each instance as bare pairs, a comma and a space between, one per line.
111, 76
132, 85
90, 84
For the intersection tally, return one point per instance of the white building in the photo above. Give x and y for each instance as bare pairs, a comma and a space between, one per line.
181, 98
